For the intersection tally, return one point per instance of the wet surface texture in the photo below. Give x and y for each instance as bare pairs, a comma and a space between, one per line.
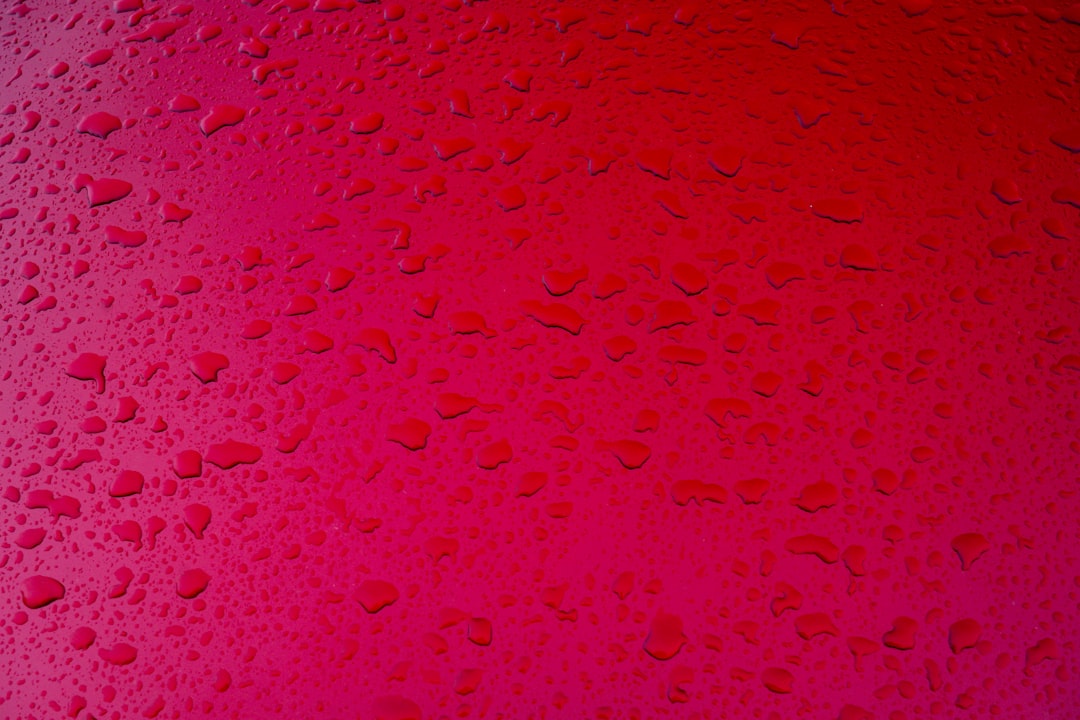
550, 360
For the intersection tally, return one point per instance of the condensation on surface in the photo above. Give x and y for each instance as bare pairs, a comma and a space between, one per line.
539, 360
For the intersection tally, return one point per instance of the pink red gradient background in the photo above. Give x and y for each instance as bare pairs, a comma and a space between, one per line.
539, 360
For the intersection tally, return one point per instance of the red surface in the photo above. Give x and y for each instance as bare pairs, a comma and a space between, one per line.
574, 360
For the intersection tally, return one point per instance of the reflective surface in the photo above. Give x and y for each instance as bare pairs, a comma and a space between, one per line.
547, 360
